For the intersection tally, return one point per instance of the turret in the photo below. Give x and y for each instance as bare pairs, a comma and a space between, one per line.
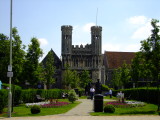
96, 39
66, 39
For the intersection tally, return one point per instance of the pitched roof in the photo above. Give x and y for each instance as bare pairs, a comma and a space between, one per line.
113, 60
57, 61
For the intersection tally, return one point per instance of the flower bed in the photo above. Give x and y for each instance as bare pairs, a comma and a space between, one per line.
38, 103
53, 105
128, 104
48, 104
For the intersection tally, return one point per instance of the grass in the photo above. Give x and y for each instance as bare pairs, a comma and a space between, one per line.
148, 109
83, 97
108, 97
21, 110
105, 97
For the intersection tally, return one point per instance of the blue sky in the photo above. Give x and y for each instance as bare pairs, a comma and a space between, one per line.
125, 22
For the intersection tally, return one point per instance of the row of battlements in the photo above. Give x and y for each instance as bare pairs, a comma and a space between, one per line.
87, 46
69, 27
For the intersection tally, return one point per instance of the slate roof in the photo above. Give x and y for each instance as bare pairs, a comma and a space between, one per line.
113, 60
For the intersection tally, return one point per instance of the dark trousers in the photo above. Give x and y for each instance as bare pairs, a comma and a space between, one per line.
91, 94
110, 95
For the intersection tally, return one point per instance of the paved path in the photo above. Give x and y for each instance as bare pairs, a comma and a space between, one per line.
83, 109
81, 112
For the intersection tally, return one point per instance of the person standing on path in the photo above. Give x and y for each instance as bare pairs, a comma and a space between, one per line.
110, 93
92, 90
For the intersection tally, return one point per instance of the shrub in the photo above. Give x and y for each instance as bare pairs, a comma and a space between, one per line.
3, 99
72, 96
109, 109
35, 109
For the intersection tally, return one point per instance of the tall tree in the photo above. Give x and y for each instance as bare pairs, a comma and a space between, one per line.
49, 69
34, 52
150, 49
75, 80
121, 76
125, 74
135, 68
84, 79
4, 57
116, 82
18, 56
70, 78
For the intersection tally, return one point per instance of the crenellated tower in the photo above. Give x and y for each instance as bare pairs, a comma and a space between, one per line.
66, 39
96, 40
66, 44
96, 43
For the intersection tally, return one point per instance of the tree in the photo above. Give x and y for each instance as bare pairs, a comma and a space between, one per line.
4, 58
125, 74
49, 70
67, 77
34, 52
116, 82
84, 79
75, 80
121, 76
70, 78
18, 56
136, 68
150, 48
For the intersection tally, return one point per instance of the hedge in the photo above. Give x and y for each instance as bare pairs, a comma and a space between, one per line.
3, 99
149, 95
28, 96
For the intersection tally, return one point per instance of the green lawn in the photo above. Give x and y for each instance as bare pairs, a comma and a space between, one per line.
108, 97
148, 109
23, 111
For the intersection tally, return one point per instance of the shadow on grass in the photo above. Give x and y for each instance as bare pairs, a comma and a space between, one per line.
139, 112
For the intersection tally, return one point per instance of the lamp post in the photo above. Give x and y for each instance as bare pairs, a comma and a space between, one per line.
10, 73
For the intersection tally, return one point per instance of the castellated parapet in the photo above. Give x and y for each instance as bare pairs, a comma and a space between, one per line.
67, 29
96, 29
82, 49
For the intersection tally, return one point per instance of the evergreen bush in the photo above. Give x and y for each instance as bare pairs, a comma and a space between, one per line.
109, 109
35, 109
72, 96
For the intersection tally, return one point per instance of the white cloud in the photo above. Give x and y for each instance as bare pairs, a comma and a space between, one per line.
43, 41
138, 20
142, 32
142, 25
87, 27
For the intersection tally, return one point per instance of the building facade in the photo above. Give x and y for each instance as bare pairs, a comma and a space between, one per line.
79, 57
